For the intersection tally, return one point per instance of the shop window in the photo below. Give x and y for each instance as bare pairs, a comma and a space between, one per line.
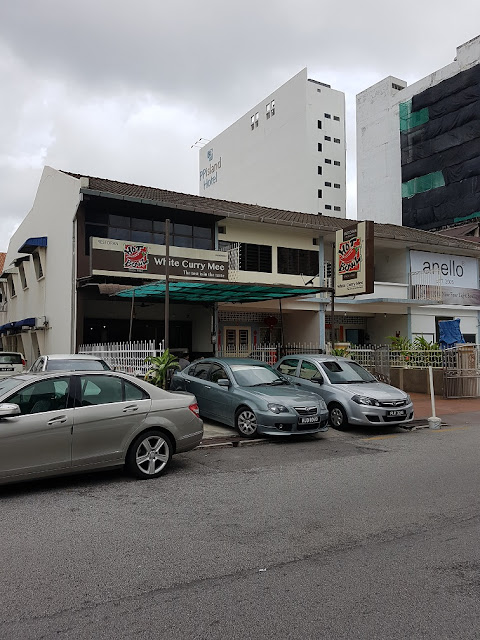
11, 286
23, 277
148, 232
37, 265
255, 257
297, 261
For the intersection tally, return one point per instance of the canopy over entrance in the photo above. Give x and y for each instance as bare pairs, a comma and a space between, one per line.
183, 291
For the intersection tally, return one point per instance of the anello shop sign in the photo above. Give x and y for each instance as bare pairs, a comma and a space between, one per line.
446, 270
118, 258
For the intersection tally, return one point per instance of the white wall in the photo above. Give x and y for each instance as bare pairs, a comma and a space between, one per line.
276, 163
52, 215
379, 196
379, 327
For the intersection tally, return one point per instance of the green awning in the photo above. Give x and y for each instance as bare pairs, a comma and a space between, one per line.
183, 291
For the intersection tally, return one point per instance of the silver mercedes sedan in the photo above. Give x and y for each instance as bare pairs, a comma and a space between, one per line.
69, 422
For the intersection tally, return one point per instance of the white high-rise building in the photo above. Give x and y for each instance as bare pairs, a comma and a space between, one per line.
286, 152
418, 146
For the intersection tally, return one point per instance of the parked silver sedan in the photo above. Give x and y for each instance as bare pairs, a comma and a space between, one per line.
351, 393
69, 362
69, 422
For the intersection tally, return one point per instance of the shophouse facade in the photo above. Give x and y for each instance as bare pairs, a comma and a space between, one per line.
240, 275
286, 152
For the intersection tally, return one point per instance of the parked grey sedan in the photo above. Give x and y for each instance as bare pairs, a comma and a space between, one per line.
352, 394
68, 422
251, 396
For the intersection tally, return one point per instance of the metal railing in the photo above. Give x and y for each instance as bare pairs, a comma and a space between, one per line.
128, 357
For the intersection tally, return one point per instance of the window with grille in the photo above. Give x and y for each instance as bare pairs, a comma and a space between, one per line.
297, 261
255, 257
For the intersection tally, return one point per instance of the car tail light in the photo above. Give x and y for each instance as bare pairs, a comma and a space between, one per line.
194, 408
24, 363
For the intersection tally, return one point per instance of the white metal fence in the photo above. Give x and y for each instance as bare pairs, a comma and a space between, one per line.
128, 357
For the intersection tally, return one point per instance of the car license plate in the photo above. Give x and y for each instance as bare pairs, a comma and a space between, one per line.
6, 368
397, 412
308, 420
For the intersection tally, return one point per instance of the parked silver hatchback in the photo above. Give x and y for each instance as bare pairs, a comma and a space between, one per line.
351, 393
69, 422
11, 362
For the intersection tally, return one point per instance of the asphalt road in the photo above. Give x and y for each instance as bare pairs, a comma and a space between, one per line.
350, 535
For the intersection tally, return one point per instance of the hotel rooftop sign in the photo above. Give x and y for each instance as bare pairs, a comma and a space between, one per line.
129, 259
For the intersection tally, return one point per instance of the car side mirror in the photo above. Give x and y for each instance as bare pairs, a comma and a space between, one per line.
8, 410
223, 382
317, 380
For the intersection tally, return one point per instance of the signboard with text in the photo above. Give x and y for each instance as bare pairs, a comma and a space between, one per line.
456, 276
126, 259
354, 259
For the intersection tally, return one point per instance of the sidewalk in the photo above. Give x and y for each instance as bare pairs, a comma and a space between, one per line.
443, 406
219, 434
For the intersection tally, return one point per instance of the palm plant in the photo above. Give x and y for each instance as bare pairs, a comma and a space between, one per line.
160, 368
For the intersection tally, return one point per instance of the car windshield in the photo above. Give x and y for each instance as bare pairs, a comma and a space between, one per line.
346, 373
10, 358
76, 364
251, 375
7, 384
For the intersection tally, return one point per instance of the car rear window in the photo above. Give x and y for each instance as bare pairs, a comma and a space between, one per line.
10, 358
77, 365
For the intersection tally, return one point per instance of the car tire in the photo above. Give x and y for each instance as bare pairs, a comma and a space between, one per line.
149, 455
337, 416
246, 422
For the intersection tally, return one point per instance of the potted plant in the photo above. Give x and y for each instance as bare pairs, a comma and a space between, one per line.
161, 368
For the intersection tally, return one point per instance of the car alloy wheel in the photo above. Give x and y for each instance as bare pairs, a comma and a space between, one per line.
338, 417
247, 423
149, 455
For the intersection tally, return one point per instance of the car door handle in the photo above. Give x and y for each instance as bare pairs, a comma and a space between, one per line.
130, 409
207, 387
57, 420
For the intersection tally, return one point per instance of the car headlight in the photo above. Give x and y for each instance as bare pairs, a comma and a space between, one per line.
277, 408
366, 400
322, 403
408, 399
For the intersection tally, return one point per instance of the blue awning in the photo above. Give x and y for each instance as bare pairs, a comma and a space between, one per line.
31, 244
18, 324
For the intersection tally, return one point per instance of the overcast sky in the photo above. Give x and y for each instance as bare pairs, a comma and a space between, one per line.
122, 90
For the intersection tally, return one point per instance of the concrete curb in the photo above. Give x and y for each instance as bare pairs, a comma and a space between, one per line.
220, 441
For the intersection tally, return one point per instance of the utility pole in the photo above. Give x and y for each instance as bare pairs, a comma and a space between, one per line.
167, 284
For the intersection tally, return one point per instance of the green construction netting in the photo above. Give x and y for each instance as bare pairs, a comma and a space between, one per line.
182, 291
408, 120
422, 183
472, 216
